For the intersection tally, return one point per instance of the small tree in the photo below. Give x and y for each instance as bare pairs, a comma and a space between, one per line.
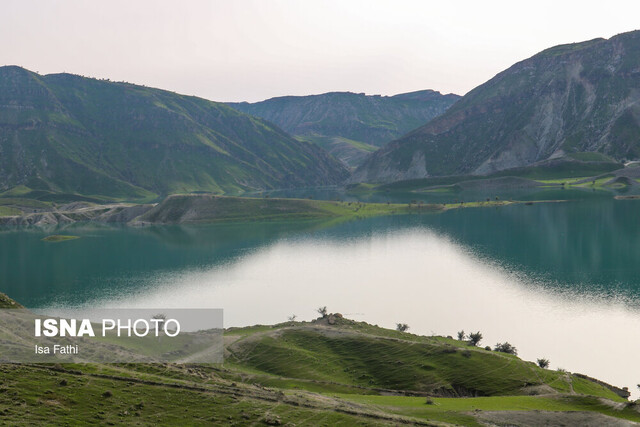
292, 318
506, 348
402, 327
475, 338
322, 311
543, 363
461, 335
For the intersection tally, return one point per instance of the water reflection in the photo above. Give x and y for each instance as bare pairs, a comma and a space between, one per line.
415, 276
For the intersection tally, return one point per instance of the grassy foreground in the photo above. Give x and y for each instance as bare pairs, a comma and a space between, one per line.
331, 371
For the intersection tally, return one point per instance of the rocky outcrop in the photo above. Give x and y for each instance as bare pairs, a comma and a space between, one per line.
78, 212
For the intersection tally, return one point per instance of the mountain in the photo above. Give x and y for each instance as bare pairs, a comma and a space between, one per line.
350, 125
563, 102
69, 134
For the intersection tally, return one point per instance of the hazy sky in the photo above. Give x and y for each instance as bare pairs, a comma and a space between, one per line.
254, 49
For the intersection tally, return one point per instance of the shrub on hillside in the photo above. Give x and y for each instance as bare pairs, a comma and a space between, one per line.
506, 348
402, 327
475, 338
543, 363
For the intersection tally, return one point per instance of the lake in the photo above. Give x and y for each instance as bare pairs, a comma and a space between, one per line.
557, 280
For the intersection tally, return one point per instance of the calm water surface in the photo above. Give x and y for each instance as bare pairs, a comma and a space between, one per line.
557, 280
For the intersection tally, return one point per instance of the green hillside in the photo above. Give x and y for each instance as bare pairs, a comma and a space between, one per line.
63, 133
330, 371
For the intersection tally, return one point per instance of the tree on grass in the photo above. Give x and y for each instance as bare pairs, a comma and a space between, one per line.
543, 363
402, 327
323, 311
292, 318
506, 348
475, 338
461, 335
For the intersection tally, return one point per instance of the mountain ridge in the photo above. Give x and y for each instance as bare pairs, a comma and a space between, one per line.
72, 134
571, 98
350, 125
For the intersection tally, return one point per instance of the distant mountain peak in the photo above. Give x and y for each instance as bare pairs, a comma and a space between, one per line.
350, 125
579, 97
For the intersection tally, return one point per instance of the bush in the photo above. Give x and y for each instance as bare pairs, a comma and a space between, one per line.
475, 338
488, 348
506, 348
461, 335
543, 363
402, 327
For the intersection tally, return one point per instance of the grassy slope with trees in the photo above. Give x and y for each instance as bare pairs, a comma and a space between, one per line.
332, 371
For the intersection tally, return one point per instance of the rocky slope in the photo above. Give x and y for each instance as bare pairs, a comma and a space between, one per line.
566, 100
69, 134
350, 125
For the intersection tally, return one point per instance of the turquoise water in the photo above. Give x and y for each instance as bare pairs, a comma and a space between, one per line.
558, 280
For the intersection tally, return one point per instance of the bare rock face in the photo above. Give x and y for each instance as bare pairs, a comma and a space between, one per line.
78, 212
36, 219
575, 98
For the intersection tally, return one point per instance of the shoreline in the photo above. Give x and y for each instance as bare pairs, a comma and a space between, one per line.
213, 209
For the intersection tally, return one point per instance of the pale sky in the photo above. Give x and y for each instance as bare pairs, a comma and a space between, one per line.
237, 50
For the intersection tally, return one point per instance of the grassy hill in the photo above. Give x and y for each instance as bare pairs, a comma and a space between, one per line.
66, 134
331, 371
350, 125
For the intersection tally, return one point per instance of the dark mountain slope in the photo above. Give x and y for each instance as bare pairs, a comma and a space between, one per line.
573, 98
350, 125
66, 133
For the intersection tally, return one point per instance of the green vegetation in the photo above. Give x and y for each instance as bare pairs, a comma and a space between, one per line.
59, 238
102, 140
331, 371
456, 410
367, 359
555, 173
208, 208
34, 396
9, 211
